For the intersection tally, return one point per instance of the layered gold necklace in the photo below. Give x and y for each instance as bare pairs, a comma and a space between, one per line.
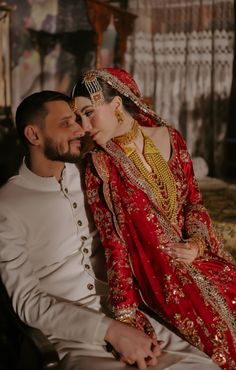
160, 178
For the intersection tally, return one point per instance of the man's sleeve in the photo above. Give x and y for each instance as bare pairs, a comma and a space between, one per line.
65, 320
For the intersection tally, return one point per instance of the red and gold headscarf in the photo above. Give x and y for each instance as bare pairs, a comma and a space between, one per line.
124, 83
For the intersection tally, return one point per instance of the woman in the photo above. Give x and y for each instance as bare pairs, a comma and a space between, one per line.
161, 248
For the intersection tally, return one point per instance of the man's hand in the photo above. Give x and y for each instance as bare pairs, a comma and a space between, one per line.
184, 252
133, 345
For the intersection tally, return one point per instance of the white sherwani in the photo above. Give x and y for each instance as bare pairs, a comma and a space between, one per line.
52, 265
48, 255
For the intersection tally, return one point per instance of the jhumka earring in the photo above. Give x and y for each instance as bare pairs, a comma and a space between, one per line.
119, 116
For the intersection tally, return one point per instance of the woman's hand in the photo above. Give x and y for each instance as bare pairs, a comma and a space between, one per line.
133, 345
185, 252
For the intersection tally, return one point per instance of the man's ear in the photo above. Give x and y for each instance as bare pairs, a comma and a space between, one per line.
32, 134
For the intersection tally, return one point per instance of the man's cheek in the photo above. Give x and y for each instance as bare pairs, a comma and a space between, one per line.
63, 147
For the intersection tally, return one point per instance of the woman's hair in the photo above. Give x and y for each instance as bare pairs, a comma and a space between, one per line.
108, 92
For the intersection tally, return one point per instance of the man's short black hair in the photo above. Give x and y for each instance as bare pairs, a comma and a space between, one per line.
33, 109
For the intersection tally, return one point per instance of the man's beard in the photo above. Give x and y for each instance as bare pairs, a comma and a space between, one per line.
52, 153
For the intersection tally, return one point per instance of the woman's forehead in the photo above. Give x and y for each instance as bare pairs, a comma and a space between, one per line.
80, 103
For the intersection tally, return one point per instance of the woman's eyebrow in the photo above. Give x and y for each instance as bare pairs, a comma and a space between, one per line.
85, 107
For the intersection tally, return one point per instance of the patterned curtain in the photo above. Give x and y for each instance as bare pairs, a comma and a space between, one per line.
56, 31
181, 54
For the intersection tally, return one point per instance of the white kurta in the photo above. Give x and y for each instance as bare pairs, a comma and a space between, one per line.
49, 254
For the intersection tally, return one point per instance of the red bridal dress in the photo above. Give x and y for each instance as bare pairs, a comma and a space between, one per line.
197, 300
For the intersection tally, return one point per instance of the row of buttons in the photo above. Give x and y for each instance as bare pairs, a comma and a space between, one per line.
79, 222
74, 204
83, 238
85, 250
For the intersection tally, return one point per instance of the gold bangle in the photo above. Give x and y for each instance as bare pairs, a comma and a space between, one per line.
130, 320
200, 241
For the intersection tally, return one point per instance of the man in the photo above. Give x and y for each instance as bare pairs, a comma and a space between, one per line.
50, 257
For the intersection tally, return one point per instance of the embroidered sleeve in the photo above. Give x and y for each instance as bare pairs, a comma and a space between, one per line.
123, 295
198, 224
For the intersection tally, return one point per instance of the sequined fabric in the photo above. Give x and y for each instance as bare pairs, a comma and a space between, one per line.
199, 300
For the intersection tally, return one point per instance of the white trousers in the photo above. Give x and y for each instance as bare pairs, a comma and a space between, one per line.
177, 354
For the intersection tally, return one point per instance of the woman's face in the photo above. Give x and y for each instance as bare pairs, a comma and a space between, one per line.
100, 121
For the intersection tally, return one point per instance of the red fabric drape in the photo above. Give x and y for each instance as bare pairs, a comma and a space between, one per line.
199, 300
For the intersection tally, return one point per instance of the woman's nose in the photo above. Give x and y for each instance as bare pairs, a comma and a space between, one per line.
86, 125
78, 130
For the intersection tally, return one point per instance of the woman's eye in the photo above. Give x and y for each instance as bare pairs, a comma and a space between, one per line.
88, 113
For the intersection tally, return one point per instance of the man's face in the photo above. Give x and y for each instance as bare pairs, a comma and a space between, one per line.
61, 134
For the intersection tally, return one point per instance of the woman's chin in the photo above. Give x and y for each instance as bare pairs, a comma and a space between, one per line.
100, 142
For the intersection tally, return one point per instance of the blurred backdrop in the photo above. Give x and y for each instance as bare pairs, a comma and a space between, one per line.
180, 52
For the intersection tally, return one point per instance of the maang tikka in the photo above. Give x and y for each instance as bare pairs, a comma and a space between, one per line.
94, 89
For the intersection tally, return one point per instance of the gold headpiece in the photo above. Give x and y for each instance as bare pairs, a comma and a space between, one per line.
94, 89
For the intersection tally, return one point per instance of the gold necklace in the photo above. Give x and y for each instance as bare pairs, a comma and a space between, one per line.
129, 136
160, 180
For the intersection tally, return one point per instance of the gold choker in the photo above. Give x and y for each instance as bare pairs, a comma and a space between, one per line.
129, 136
